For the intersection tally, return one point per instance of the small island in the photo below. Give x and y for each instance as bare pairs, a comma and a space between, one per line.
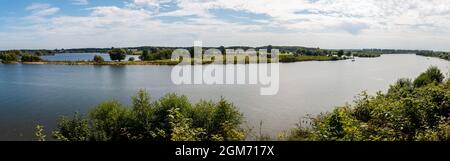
162, 55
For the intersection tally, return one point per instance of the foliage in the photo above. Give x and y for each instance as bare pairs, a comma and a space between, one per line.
30, 58
146, 56
340, 53
38, 53
298, 58
349, 53
40, 133
131, 59
367, 54
181, 127
171, 118
98, 59
164, 54
9, 57
117, 54
442, 55
73, 129
406, 112
433, 74
161, 54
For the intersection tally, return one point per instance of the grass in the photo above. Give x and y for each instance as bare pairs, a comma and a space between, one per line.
283, 58
301, 58
155, 62
317, 58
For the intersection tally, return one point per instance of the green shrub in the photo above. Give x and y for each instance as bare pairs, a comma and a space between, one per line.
30, 58
9, 57
117, 54
433, 74
408, 111
74, 129
171, 118
98, 59
146, 56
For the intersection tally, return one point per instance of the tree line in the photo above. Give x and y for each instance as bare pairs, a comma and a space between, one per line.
17, 55
304, 54
442, 55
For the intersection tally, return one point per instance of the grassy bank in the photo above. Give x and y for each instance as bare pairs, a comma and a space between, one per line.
442, 55
301, 58
155, 62
238, 60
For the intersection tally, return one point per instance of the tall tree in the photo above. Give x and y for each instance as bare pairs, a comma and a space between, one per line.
340, 53
269, 48
146, 55
222, 50
117, 54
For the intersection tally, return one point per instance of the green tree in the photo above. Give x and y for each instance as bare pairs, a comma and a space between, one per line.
117, 54
309, 52
109, 121
181, 129
433, 74
30, 58
318, 52
98, 59
222, 50
340, 53
129, 52
269, 49
165, 54
40, 133
8, 57
38, 53
72, 129
146, 56
171, 118
142, 117
348, 53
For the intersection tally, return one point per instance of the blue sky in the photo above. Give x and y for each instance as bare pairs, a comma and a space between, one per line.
50, 24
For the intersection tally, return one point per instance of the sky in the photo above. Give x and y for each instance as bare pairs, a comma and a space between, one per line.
329, 24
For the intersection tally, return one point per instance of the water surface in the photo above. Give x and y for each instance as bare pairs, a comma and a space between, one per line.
38, 94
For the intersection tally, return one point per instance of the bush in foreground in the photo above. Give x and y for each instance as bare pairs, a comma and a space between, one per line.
409, 111
171, 118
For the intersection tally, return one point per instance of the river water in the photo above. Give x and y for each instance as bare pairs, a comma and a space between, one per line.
39, 94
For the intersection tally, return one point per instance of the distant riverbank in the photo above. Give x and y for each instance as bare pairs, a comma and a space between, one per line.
282, 59
156, 62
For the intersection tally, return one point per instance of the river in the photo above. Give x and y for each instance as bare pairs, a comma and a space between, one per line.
39, 94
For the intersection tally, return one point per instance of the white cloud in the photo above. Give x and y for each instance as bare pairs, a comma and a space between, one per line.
42, 10
80, 2
322, 23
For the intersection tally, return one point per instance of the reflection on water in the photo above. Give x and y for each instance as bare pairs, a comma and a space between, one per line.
38, 94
